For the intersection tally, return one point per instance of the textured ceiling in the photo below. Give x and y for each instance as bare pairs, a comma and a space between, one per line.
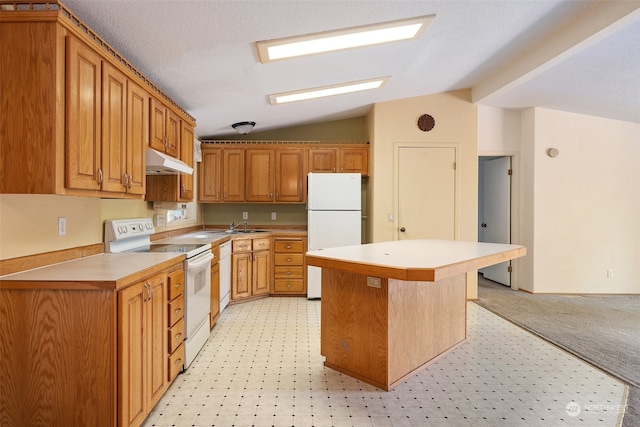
580, 56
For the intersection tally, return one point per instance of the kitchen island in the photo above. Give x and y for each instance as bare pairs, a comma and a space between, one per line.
389, 309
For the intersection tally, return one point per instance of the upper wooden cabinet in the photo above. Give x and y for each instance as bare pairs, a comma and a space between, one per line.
210, 175
165, 129
340, 159
271, 173
174, 188
77, 119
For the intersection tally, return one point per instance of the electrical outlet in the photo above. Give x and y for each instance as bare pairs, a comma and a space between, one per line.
610, 273
62, 226
245, 215
274, 216
374, 282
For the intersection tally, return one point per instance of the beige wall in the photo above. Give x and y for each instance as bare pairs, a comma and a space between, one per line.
582, 208
336, 130
395, 122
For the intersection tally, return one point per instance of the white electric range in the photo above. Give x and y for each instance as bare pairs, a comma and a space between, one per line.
134, 235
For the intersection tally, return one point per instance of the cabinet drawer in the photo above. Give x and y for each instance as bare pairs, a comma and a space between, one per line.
283, 272
288, 259
176, 335
175, 283
289, 285
241, 245
261, 243
289, 246
176, 362
176, 310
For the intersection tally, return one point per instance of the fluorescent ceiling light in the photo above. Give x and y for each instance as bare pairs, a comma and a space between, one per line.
405, 29
319, 92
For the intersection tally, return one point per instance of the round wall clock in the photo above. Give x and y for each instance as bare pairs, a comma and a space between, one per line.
426, 122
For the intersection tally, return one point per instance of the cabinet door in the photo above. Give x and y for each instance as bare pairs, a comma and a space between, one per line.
322, 160
233, 175
156, 340
210, 176
137, 137
261, 273
157, 139
172, 133
290, 180
114, 134
240, 276
354, 160
83, 117
131, 359
186, 155
259, 170
215, 294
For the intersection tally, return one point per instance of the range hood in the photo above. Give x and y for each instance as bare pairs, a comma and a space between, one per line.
160, 164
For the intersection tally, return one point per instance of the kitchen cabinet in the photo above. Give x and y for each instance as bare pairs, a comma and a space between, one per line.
291, 175
210, 175
83, 110
221, 175
106, 125
215, 286
339, 159
164, 129
288, 265
83, 352
175, 296
250, 267
260, 174
142, 371
174, 188
233, 175
275, 175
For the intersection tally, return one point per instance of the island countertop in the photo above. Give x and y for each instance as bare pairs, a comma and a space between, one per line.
423, 260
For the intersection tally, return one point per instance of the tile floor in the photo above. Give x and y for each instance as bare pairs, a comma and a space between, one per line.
262, 367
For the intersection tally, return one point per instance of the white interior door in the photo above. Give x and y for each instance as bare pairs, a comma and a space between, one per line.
495, 212
426, 193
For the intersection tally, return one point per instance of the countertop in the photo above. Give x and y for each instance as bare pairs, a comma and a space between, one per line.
424, 260
96, 271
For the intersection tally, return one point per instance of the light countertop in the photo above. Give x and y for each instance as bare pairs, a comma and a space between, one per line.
425, 260
104, 270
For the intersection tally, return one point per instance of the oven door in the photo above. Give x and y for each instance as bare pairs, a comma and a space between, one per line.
198, 296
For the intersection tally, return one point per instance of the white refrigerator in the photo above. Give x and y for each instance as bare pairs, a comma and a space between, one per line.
333, 217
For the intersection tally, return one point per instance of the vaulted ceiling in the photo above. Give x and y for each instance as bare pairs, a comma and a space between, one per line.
579, 56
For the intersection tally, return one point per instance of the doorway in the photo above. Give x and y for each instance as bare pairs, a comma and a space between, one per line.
494, 210
426, 191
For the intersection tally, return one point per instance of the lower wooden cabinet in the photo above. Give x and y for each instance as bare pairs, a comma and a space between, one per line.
175, 296
250, 267
288, 265
88, 353
142, 367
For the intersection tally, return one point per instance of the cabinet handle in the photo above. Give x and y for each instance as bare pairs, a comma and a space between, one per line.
287, 272
277, 195
289, 260
271, 195
178, 336
178, 310
178, 362
178, 285
100, 176
126, 180
217, 195
288, 246
147, 286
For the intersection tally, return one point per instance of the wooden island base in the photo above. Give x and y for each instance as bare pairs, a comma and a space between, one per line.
382, 335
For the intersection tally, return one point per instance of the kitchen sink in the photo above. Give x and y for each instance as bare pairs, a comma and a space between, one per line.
243, 231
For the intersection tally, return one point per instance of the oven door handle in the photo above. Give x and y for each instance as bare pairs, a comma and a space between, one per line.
200, 260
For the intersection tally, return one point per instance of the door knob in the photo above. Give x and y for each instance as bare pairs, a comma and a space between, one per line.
402, 229
483, 225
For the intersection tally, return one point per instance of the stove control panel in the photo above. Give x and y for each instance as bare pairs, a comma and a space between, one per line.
119, 229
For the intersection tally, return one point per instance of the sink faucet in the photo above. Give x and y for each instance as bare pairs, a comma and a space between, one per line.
233, 224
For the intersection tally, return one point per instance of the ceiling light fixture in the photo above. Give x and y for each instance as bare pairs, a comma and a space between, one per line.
366, 35
319, 92
243, 128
